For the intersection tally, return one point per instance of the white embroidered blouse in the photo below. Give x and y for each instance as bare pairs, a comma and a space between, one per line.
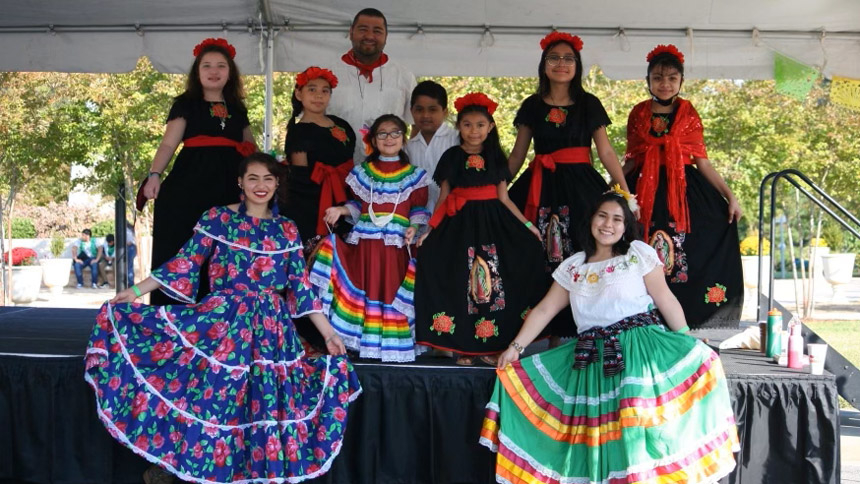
605, 292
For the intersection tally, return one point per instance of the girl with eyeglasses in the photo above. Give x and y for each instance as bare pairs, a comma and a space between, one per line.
689, 213
557, 188
365, 281
476, 276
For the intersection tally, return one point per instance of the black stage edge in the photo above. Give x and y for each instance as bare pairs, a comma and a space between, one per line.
413, 424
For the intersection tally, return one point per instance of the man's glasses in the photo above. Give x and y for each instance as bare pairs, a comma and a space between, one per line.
393, 134
555, 60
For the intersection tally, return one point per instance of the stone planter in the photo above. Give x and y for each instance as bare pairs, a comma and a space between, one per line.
26, 281
750, 266
55, 273
837, 270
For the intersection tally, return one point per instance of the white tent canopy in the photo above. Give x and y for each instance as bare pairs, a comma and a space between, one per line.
720, 38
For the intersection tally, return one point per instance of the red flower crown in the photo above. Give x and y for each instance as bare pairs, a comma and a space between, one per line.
315, 72
556, 36
661, 49
217, 42
476, 99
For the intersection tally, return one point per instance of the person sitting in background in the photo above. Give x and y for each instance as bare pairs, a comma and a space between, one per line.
87, 254
107, 252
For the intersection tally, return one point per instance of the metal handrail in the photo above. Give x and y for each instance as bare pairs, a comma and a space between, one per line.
847, 375
787, 175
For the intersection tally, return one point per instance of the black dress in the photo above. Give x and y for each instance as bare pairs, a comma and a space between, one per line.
568, 193
480, 270
201, 177
702, 266
333, 147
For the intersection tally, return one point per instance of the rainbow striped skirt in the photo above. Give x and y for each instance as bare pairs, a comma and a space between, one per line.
666, 418
374, 328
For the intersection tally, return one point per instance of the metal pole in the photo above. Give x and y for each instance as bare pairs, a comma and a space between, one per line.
270, 81
120, 270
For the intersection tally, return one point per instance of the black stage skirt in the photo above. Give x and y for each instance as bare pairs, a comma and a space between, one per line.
566, 198
201, 178
703, 266
478, 274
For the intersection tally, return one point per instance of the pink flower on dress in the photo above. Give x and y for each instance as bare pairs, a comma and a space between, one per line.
321, 433
176, 436
292, 449
257, 454
142, 443
179, 266
182, 285
291, 232
216, 271
319, 454
161, 351
225, 217
156, 381
244, 226
339, 414
243, 241
211, 304
157, 441
218, 330
264, 264
273, 447
139, 404
269, 244
220, 453
113, 383
302, 431
135, 318
198, 450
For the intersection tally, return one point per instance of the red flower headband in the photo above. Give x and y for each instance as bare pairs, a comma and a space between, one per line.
315, 72
661, 49
217, 42
476, 99
556, 36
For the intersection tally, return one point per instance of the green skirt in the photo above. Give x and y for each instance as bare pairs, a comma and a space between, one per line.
666, 418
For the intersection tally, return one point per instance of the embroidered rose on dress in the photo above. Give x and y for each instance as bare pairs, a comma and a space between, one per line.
659, 124
476, 162
592, 278
339, 134
557, 116
486, 328
442, 323
716, 294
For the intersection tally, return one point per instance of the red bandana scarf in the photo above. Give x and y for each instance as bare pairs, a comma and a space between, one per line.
365, 70
674, 149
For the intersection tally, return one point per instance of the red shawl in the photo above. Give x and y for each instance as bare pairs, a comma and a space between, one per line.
674, 149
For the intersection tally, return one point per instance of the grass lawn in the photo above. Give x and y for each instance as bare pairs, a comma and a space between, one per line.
844, 337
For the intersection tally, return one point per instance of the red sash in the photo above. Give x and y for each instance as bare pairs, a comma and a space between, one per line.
565, 156
332, 180
674, 150
458, 197
244, 148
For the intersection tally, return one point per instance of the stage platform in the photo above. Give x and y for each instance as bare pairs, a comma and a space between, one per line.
414, 423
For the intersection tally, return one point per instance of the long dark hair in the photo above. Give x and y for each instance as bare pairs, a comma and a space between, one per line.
575, 90
374, 128
274, 168
631, 226
233, 91
492, 147
297, 109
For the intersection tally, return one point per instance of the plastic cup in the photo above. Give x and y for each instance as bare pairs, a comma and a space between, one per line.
817, 354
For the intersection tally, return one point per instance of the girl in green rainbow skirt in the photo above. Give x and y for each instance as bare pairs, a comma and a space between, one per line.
626, 401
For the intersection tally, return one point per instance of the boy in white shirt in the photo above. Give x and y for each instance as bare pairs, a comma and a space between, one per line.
429, 108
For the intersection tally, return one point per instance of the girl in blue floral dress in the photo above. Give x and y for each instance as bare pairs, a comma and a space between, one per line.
220, 391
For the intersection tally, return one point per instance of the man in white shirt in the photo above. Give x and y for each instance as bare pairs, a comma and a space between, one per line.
429, 107
369, 83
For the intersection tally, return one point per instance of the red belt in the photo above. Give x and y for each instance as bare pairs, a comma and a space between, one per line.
245, 148
565, 156
332, 181
458, 197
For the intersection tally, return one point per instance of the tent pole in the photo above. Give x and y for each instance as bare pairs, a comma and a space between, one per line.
270, 59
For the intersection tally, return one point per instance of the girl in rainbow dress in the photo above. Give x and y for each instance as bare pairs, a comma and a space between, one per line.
366, 281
